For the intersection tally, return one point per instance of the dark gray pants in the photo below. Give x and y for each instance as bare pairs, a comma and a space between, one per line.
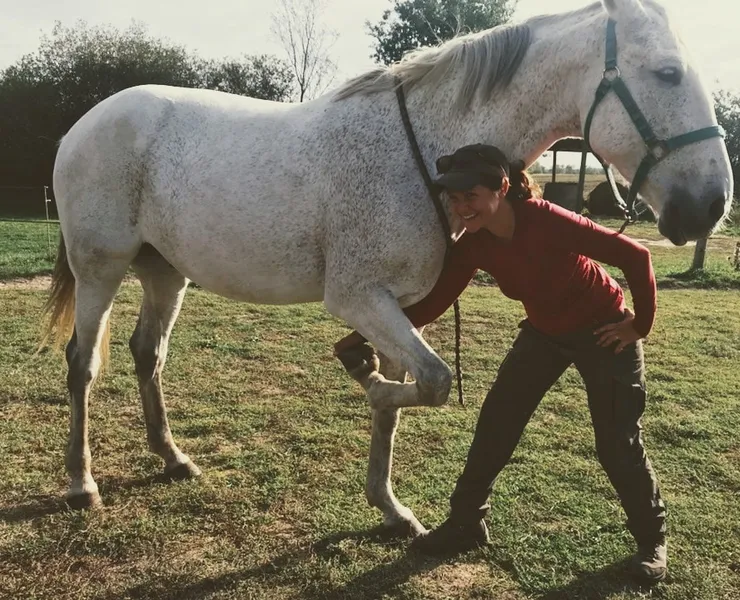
615, 384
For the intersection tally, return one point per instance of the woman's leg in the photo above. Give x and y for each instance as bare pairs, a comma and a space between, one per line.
615, 384
528, 371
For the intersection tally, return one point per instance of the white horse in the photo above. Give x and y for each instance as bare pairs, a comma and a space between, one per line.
286, 203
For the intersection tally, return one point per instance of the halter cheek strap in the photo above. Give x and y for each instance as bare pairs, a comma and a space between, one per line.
657, 149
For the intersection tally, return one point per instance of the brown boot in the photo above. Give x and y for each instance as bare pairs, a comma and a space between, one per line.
452, 538
649, 564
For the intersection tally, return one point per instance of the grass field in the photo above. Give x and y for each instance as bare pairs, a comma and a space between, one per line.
282, 436
27, 248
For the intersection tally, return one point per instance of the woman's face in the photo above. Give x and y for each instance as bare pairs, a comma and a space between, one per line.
477, 207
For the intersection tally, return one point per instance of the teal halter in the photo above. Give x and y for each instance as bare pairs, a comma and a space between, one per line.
657, 149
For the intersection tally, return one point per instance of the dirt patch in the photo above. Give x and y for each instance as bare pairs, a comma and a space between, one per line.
463, 581
714, 243
42, 282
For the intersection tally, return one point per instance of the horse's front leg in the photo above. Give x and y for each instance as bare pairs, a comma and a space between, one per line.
380, 319
398, 520
377, 316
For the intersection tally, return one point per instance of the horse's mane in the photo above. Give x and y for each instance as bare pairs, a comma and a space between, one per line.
487, 60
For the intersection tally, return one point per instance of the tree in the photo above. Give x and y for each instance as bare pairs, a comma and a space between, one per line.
46, 92
307, 43
265, 77
536, 168
411, 24
727, 106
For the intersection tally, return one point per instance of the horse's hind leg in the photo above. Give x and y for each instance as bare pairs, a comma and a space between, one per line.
398, 520
164, 290
94, 295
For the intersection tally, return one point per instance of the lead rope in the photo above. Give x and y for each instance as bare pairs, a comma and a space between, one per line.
441, 213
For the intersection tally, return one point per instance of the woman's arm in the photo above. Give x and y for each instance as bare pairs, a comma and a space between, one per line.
458, 270
578, 234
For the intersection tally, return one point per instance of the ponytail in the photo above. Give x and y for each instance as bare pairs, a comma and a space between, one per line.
522, 186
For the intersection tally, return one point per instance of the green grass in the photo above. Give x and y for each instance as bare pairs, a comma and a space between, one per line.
27, 248
282, 436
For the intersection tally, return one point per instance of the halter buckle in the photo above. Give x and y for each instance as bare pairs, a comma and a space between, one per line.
659, 150
611, 73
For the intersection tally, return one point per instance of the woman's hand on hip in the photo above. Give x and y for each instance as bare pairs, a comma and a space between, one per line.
622, 333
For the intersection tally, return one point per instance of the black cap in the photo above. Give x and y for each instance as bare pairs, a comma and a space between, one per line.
470, 166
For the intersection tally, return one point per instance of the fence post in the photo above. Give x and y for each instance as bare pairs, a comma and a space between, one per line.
48, 224
700, 253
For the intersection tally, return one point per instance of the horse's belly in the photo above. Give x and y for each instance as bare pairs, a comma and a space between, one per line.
264, 269
248, 287
251, 280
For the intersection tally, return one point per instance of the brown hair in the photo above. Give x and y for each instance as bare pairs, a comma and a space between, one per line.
522, 187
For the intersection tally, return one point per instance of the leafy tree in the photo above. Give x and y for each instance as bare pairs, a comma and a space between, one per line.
264, 76
727, 106
411, 24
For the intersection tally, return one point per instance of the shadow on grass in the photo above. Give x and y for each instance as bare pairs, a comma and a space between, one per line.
110, 484
34, 509
381, 581
605, 583
44, 506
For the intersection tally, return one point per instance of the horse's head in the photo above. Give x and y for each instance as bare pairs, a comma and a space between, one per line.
690, 186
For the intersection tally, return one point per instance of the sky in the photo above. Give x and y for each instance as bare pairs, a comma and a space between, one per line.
220, 28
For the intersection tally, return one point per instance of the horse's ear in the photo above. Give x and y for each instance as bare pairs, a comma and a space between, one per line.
622, 8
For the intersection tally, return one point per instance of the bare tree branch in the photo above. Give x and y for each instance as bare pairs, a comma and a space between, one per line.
307, 43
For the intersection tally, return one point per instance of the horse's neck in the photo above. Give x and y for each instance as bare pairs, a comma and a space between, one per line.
539, 106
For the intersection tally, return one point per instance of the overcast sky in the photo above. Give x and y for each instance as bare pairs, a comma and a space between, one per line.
220, 28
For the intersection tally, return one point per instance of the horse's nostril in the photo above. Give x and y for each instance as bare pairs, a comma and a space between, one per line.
717, 209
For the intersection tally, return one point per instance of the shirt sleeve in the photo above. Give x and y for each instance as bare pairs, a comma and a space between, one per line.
459, 269
580, 235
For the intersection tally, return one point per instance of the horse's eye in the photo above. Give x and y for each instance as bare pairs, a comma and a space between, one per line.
670, 75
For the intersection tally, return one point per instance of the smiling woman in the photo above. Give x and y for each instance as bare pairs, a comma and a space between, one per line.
544, 256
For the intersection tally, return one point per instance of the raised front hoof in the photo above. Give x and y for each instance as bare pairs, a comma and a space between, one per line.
360, 362
83, 501
182, 472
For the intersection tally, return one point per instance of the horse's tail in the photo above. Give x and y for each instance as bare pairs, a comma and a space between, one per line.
59, 311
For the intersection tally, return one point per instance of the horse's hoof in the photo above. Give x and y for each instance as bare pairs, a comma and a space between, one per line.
360, 362
84, 500
400, 530
182, 471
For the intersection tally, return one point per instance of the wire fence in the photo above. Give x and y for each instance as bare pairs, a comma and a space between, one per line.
29, 230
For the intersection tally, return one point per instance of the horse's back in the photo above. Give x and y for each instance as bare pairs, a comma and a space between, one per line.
209, 179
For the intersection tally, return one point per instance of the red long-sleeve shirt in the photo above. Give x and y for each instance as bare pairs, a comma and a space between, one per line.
548, 266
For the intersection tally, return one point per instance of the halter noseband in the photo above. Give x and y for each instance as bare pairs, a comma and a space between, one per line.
657, 149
